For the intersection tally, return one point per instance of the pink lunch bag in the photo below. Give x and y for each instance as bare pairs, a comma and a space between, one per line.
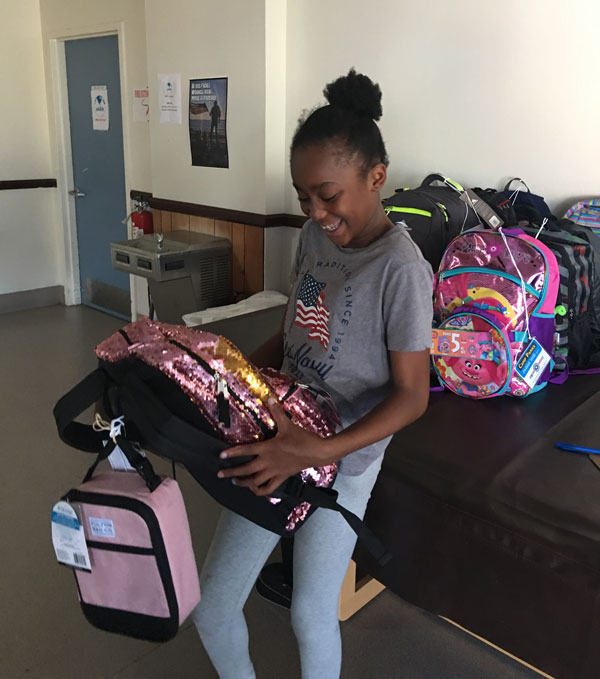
143, 580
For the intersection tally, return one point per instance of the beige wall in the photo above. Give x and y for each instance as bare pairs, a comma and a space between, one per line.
275, 99
29, 257
210, 40
481, 91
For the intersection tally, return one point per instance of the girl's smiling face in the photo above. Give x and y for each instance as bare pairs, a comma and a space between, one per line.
335, 192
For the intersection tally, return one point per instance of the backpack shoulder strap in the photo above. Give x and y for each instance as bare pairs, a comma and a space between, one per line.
72, 404
326, 498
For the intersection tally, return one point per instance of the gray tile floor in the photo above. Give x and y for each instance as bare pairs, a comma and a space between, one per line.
43, 634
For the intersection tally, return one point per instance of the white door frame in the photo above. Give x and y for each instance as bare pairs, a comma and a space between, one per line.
64, 157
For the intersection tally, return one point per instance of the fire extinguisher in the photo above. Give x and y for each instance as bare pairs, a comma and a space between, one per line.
141, 219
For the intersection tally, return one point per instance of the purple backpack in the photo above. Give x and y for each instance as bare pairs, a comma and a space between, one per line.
494, 299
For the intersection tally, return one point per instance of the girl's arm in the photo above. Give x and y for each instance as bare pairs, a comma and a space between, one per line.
294, 448
407, 402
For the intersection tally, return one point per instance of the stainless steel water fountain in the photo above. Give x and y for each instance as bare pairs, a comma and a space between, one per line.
186, 271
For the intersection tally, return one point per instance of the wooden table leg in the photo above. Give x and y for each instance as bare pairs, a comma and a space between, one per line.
355, 595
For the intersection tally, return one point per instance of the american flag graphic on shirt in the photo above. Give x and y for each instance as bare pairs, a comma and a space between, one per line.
310, 310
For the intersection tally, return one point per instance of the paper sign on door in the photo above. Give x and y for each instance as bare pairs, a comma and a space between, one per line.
99, 107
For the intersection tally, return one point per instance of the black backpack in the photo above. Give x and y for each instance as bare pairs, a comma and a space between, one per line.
433, 215
500, 204
577, 334
588, 235
528, 206
161, 418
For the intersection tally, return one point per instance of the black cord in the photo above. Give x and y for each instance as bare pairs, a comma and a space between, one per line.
150, 305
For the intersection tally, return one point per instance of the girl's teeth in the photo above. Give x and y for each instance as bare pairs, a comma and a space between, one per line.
331, 227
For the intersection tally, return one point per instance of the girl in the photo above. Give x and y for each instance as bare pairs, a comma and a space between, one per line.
358, 325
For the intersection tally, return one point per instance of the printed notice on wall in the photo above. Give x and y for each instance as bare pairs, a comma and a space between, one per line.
208, 122
99, 107
169, 98
141, 105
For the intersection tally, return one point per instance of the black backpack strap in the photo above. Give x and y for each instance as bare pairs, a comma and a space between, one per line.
163, 431
326, 498
516, 179
158, 427
72, 404
139, 462
97, 461
435, 177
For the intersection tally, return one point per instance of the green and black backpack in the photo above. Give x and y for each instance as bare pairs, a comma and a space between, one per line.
433, 215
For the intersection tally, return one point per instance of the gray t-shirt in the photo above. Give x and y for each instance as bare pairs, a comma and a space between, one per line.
347, 309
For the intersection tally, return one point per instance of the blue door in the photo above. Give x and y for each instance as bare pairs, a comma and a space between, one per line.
98, 171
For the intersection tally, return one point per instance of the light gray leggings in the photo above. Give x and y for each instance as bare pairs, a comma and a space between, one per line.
322, 551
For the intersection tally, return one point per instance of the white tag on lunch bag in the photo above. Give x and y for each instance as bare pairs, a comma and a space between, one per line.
68, 537
531, 363
119, 462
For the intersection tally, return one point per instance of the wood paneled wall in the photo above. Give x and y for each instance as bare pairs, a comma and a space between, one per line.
247, 245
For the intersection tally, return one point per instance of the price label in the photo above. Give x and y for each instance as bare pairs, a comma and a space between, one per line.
532, 362
68, 537
476, 345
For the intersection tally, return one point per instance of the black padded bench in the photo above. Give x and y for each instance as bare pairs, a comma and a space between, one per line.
495, 528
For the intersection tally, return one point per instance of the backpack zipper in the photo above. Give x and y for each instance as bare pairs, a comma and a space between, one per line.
407, 210
223, 391
493, 272
222, 401
444, 210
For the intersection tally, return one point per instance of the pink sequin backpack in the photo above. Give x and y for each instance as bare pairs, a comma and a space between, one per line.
494, 300
186, 395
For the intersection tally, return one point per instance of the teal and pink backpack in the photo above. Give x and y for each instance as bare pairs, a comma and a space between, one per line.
494, 303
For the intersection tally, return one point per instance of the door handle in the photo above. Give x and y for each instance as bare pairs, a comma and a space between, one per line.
77, 193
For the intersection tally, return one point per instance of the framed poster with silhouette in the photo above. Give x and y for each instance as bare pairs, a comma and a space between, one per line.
208, 122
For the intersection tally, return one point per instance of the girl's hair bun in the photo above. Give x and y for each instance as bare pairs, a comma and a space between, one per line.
355, 92
348, 120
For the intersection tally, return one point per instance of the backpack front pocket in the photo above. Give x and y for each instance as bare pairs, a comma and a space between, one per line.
140, 588
484, 365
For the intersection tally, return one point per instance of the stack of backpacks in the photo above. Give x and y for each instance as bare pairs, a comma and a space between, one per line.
486, 277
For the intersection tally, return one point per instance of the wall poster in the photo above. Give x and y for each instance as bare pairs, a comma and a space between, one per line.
208, 122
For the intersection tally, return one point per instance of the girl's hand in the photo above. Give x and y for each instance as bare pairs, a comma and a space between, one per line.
288, 452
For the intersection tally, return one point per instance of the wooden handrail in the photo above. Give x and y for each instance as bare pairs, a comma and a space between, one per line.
12, 184
239, 216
